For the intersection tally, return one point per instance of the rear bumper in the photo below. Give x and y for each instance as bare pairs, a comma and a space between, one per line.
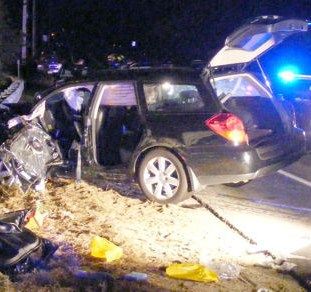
234, 178
228, 164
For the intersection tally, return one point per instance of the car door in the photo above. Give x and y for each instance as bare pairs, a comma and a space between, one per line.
113, 97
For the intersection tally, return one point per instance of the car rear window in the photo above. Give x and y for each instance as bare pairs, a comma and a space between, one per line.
238, 85
169, 97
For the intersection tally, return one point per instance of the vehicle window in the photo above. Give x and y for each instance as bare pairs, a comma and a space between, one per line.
121, 94
75, 96
251, 42
238, 85
168, 97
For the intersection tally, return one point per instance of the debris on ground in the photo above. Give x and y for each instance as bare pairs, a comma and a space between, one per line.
135, 276
152, 236
104, 249
193, 272
36, 222
226, 269
21, 250
98, 278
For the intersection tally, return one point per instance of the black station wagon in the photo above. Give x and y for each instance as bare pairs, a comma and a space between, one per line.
162, 126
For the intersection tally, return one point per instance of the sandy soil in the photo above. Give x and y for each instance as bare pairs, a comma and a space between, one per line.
152, 236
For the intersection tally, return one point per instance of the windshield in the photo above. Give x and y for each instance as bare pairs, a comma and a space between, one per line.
74, 95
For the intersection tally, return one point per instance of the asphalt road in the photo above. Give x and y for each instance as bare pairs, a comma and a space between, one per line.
275, 211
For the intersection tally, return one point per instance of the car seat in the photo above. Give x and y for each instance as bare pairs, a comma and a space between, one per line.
110, 134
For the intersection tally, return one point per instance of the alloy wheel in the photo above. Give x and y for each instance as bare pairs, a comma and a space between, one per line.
161, 178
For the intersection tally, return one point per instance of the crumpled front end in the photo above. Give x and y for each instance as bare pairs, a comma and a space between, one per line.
26, 158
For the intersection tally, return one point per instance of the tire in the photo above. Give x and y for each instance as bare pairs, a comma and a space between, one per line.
154, 179
237, 184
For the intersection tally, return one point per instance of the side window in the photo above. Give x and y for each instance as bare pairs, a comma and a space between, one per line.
75, 96
120, 94
168, 97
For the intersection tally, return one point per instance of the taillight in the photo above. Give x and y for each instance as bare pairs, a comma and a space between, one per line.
228, 126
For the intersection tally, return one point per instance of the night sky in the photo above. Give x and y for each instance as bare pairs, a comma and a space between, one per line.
164, 30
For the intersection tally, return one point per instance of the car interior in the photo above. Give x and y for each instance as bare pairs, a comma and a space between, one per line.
118, 127
63, 116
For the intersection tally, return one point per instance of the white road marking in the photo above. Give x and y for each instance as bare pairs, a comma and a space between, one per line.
295, 177
299, 257
282, 206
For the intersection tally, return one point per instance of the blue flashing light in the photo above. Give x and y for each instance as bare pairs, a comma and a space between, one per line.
287, 76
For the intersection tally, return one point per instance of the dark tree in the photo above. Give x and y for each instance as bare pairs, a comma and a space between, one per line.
9, 38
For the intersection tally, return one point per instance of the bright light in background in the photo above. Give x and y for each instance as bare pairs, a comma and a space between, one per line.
168, 87
288, 74
133, 44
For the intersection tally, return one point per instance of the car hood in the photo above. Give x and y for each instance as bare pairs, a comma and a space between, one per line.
256, 37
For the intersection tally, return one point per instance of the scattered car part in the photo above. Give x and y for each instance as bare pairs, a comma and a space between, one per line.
135, 276
193, 272
13, 93
20, 249
102, 248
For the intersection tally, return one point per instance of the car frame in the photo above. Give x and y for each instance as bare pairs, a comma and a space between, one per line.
188, 142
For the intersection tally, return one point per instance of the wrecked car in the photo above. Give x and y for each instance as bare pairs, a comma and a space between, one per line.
244, 75
160, 126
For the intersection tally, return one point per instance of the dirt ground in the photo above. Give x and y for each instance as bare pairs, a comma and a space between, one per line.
151, 235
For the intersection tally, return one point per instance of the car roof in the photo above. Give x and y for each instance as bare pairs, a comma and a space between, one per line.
147, 74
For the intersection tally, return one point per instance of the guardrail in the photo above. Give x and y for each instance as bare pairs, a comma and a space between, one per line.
14, 92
